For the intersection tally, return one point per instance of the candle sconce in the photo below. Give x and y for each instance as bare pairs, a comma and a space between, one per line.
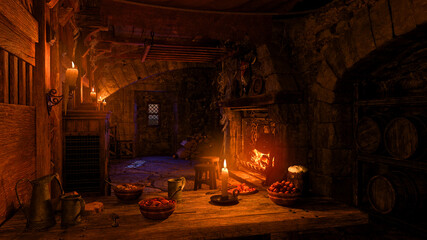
52, 99
71, 75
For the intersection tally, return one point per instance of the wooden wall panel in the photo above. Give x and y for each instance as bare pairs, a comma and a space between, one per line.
20, 18
29, 80
4, 76
17, 130
22, 82
15, 43
13, 79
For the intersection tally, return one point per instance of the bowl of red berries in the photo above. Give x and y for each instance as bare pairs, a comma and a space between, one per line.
284, 193
157, 208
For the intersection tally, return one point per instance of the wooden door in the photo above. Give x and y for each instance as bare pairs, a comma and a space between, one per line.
154, 123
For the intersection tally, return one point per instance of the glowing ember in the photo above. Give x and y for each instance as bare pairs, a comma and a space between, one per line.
262, 160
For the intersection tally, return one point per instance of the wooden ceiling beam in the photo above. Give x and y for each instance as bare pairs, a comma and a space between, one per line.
185, 51
181, 60
146, 51
185, 54
177, 58
189, 47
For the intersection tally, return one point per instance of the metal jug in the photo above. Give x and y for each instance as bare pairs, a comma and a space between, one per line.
175, 187
73, 207
40, 215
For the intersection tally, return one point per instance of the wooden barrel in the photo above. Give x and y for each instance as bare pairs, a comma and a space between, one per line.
404, 137
393, 193
369, 133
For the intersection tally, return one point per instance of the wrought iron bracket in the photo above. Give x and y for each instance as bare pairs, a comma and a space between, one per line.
52, 99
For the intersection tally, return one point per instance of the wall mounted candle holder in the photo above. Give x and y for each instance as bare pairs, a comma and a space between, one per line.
52, 99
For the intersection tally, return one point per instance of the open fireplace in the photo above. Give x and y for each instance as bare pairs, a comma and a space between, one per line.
258, 146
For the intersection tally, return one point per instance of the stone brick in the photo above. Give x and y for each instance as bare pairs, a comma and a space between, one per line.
335, 57
322, 94
361, 33
420, 11
320, 184
262, 52
129, 72
402, 16
381, 22
267, 66
326, 113
325, 135
293, 135
287, 82
326, 77
347, 47
334, 135
272, 83
334, 162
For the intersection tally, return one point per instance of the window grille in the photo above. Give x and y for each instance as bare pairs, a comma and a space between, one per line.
153, 114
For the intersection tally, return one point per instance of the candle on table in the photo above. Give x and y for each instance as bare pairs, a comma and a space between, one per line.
71, 76
224, 180
93, 94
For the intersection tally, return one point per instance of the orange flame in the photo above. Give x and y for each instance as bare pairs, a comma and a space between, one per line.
261, 159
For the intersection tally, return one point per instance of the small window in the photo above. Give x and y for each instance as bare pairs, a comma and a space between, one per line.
153, 114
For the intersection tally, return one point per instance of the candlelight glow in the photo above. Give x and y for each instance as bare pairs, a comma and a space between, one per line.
225, 164
93, 89
72, 64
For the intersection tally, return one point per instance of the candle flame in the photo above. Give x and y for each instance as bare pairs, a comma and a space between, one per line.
225, 164
93, 89
72, 64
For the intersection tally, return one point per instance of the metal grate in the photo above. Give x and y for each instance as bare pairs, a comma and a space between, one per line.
153, 114
81, 165
153, 108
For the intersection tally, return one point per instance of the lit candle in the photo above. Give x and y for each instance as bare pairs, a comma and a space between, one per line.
71, 77
93, 94
104, 103
224, 180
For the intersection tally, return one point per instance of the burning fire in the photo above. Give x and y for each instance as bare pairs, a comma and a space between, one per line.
261, 159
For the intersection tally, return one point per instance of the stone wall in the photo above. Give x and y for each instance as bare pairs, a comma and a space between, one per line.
313, 53
188, 93
322, 47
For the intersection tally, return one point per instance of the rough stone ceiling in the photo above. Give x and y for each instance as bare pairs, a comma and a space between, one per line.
146, 34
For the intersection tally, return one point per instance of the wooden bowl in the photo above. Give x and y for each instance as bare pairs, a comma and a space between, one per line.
156, 213
283, 199
127, 194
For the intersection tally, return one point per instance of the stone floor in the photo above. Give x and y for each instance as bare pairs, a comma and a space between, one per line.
156, 170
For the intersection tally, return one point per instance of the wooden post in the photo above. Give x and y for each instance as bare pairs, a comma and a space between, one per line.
4, 76
29, 85
22, 82
39, 92
57, 136
13, 79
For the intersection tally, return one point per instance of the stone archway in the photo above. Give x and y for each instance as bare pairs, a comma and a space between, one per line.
323, 48
119, 73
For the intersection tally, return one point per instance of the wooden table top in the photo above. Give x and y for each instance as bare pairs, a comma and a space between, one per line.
196, 218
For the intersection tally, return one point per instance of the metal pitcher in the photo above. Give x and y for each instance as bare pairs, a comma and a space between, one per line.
73, 207
40, 215
176, 185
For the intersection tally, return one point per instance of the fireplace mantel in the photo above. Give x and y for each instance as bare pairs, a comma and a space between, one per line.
259, 101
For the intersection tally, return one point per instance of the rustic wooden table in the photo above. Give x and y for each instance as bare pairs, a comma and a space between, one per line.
196, 218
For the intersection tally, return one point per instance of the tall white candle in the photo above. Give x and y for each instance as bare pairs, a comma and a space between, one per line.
71, 76
224, 180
